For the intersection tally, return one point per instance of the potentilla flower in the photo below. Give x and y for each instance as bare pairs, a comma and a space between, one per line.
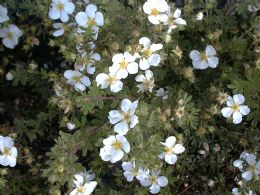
88, 60
236, 108
199, 16
147, 81
156, 181
90, 18
59, 29
156, 9
83, 187
61, 9
162, 93
222, 97
3, 14
114, 149
77, 80
248, 165
109, 80
171, 150
10, 35
124, 64
131, 172
203, 60
174, 20
8, 152
124, 119
148, 55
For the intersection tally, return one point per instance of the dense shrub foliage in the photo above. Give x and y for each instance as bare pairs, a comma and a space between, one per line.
129, 97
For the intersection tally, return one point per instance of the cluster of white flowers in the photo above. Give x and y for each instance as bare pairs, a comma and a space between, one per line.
8, 152
10, 34
248, 165
84, 184
146, 177
235, 108
159, 11
125, 64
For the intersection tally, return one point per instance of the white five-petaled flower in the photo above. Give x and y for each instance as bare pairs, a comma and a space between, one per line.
148, 55
235, 108
124, 64
8, 152
147, 81
3, 14
61, 9
109, 80
162, 93
59, 29
10, 35
114, 149
83, 187
171, 150
90, 18
89, 59
203, 60
248, 165
76, 79
174, 20
131, 172
156, 9
124, 119
156, 181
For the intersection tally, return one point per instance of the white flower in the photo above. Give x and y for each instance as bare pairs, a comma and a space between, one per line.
156, 10
109, 80
114, 149
235, 108
10, 35
162, 93
124, 64
174, 20
199, 16
9, 76
156, 181
59, 29
61, 9
76, 79
8, 152
89, 59
131, 171
3, 14
205, 59
147, 81
149, 57
235, 191
71, 126
124, 119
171, 150
90, 18
82, 188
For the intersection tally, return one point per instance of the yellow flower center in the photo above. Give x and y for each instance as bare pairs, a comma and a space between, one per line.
135, 173
60, 6
92, 22
10, 35
154, 179
77, 79
252, 168
111, 80
127, 117
80, 189
203, 57
148, 84
169, 150
236, 107
7, 152
117, 145
148, 53
123, 64
155, 12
